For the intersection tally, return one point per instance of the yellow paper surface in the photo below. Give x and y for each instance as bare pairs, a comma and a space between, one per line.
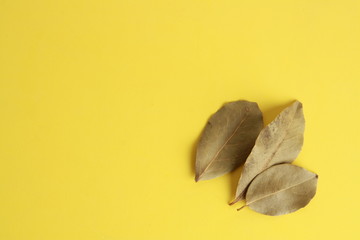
102, 102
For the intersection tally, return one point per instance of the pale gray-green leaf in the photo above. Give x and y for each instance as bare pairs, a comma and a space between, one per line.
279, 142
281, 189
227, 139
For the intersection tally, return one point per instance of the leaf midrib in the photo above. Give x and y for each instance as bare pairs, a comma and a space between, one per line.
271, 194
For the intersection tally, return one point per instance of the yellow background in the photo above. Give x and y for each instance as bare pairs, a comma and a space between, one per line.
102, 102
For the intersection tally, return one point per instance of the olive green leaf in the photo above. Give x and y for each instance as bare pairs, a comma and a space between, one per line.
281, 189
279, 142
227, 139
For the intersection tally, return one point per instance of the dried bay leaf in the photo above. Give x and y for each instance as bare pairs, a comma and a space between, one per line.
279, 142
227, 139
281, 189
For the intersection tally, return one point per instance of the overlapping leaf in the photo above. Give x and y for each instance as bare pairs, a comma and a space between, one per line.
279, 142
227, 139
281, 189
